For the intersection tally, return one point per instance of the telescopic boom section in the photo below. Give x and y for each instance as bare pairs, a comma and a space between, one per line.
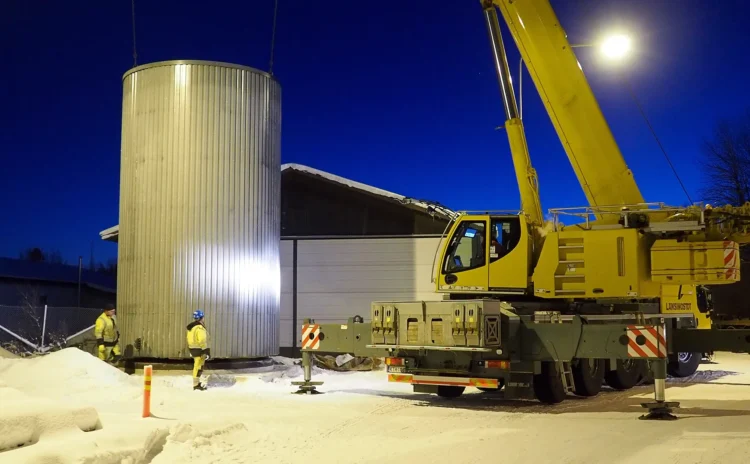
525, 173
570, 103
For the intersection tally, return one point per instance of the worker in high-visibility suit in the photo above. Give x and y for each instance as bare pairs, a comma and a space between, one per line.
107, 335
197, 338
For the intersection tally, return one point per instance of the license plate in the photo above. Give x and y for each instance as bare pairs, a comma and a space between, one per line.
396, 369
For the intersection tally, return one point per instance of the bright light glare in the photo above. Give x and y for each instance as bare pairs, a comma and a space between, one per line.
616, 47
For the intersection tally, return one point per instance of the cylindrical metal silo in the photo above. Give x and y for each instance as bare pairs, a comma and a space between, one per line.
199, 209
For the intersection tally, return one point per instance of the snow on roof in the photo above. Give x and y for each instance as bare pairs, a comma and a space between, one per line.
421, 204
428, 206
110, 233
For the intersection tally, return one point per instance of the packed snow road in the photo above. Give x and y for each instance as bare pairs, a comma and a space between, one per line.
68, 407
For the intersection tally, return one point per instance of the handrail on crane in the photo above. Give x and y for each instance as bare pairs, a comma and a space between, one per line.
692, 218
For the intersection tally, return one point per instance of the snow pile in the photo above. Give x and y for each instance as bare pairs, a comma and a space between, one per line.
254, 418
186, 443
284, 361
294, 372
25, 419
7, 354
64, 373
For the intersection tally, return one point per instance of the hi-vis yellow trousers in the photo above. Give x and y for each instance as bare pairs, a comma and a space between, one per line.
198, 362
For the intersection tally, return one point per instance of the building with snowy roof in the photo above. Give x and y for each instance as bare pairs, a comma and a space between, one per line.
345, 244
318, 203
41, 283
74, 299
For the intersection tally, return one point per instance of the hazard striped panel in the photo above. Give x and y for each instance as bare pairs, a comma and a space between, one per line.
730, 259
646, 341
401, 378
439, 380
311, 337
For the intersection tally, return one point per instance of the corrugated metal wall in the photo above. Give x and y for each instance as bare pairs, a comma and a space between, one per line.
339, 278
199, 208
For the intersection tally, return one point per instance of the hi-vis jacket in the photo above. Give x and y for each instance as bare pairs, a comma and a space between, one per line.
105, 330
197, 339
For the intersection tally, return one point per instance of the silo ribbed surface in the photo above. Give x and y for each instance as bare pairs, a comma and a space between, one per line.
199, 209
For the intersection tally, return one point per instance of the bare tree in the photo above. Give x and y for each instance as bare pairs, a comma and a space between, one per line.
37, 255
32, 319
726, 163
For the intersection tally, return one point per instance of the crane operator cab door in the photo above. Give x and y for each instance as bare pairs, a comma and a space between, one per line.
509, 254
485, 254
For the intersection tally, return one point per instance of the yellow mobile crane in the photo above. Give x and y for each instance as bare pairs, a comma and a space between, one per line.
640, 253
540, 308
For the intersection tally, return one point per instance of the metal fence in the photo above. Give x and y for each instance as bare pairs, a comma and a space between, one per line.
42, 328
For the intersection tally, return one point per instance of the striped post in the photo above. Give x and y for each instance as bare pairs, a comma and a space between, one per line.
147, 372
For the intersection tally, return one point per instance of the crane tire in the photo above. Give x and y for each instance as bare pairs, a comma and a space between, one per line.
548, 386
626, 375
683, 364
449, 391
588, 375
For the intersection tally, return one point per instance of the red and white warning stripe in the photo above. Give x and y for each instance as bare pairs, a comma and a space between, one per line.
442, 380
730, 259
310, 337
654, 344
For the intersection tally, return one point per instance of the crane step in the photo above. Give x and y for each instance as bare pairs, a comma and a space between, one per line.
570, 247
567, 376
571, 261
570, 291
569, 276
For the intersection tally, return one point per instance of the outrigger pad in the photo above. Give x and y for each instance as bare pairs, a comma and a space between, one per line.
660, 410
307, 388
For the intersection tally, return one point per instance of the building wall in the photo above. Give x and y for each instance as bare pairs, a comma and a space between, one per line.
311, 206
22, 308
13, 291
340, 278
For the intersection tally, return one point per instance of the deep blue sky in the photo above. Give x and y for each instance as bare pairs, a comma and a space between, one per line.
398, 94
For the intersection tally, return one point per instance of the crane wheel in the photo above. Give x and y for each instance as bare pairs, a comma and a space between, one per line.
588, 375
683, 364
548, 386
626, 374
449, 391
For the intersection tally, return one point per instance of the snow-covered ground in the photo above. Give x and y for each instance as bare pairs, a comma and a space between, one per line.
68, 407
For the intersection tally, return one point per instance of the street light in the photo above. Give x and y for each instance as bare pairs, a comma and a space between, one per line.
616, 46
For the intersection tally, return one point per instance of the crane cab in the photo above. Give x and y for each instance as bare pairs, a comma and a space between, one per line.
488, 253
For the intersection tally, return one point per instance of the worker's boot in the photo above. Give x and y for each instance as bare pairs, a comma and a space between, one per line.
199, 387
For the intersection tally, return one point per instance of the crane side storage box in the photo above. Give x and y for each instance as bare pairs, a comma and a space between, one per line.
452, 323
699, 263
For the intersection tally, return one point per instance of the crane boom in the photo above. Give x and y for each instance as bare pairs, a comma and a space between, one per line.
585, 135
528, 186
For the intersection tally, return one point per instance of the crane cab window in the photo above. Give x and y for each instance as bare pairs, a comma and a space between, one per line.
505, 233
467, 248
